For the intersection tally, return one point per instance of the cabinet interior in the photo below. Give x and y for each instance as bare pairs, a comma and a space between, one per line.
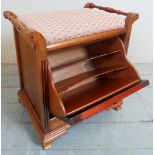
90, 73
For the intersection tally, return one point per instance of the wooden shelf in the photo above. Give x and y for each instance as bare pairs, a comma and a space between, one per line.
86, 95
86, 76
67, 84
88, 58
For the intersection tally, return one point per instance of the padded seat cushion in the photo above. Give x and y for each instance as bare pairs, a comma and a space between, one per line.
69, 24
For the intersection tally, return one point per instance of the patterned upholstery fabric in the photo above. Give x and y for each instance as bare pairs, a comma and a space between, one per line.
64, 25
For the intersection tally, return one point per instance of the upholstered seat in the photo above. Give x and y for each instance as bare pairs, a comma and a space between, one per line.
69, 24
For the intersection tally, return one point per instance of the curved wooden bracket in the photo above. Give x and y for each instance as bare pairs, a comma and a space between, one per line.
30, 34
57, 108
130, 19
17, 24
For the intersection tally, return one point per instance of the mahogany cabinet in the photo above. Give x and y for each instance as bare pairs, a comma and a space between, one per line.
66, 80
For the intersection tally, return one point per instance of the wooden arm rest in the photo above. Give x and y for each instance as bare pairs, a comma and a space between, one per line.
131, 16
108, 9
18, 25
30, 34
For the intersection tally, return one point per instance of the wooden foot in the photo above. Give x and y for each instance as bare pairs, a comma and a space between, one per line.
118, 105
48, 138
118, 108
55, 129
46, 145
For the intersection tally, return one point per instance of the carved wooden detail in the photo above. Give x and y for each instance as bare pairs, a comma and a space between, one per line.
108, 9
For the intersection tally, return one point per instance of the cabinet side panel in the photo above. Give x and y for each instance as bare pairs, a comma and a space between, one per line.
29, 71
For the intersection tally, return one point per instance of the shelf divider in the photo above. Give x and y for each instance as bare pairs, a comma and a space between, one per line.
67, 84
91, 93
83, 59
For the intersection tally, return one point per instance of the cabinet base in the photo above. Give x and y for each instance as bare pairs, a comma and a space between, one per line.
55, 129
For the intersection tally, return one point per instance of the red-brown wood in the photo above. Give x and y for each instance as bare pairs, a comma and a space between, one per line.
108, 9
130, 19
72, 80
93, 92
107, 104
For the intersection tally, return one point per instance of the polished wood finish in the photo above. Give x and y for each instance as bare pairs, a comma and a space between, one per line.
86, 39
66, 82
56, 127
131, 17
108, 9
114, 102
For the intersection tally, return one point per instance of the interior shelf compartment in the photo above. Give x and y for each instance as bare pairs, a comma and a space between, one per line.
86, 95
102, 102
67, 84
86, 58
90, 78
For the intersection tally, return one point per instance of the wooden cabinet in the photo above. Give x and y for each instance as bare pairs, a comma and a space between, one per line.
86, 76
65, 82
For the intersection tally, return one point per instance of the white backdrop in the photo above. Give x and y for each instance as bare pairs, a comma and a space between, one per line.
141, 44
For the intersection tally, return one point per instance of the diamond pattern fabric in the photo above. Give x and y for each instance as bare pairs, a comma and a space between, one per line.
58, 26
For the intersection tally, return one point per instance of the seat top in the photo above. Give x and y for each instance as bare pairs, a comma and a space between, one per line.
58, 26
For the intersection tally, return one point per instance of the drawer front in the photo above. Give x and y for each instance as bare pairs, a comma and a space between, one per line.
104, 105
